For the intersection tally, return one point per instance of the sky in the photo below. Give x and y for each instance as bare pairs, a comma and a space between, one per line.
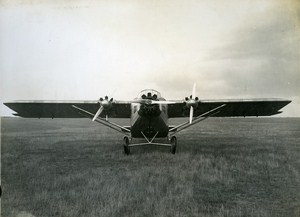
86, 49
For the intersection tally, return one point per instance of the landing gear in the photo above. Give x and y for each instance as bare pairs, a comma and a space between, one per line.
173, 142
126, 145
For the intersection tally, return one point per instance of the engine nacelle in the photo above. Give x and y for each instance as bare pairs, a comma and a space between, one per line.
190, 102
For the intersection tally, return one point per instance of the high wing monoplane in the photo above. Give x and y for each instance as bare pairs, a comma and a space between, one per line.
149, 113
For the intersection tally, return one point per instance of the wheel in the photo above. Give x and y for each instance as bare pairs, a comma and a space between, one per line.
126, 145
173, 142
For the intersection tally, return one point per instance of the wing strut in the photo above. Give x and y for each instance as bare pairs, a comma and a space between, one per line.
196, 120
105, 122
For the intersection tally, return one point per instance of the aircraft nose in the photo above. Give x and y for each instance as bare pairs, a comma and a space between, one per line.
149, 110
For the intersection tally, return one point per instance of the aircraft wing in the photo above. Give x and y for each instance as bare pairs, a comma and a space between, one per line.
65, 109
231, 108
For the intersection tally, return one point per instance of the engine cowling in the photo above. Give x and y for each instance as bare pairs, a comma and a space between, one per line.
190, 102
107, 104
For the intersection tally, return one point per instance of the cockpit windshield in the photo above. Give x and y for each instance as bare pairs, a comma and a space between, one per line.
149, 94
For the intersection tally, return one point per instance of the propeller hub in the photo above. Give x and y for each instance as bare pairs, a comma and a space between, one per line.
192, 102
148, 101
106, 103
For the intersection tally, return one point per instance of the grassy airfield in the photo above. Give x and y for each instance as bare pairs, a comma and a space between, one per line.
223, 167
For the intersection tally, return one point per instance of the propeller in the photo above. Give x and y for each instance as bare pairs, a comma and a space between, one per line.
191, 114
192, 103
105, 104
162, 102
151, 102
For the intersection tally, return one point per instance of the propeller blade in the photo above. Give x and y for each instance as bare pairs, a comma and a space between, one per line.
194, 91
136, 101
148, 101
162, 102
98, 113
191, 114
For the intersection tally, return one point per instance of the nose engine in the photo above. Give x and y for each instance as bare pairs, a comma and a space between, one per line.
149, 96
149, 109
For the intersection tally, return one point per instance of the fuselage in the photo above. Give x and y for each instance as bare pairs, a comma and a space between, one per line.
149, 119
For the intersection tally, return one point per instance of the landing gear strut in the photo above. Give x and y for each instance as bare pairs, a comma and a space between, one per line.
173, 142
126, 145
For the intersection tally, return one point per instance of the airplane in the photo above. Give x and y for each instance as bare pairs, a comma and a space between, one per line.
149, 113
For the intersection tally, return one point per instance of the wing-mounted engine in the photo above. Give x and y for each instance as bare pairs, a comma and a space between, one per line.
191, 103
105, 105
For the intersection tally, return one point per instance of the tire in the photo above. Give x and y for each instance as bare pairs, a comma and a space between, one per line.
173, 142
126, 145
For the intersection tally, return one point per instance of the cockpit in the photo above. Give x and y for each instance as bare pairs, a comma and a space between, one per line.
149, 94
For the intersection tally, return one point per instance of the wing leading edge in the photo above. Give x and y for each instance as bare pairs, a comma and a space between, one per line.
232, 108
64, 109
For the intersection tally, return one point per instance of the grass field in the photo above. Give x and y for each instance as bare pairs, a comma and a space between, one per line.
223, 167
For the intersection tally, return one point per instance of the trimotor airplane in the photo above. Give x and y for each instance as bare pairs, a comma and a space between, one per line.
148, 113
